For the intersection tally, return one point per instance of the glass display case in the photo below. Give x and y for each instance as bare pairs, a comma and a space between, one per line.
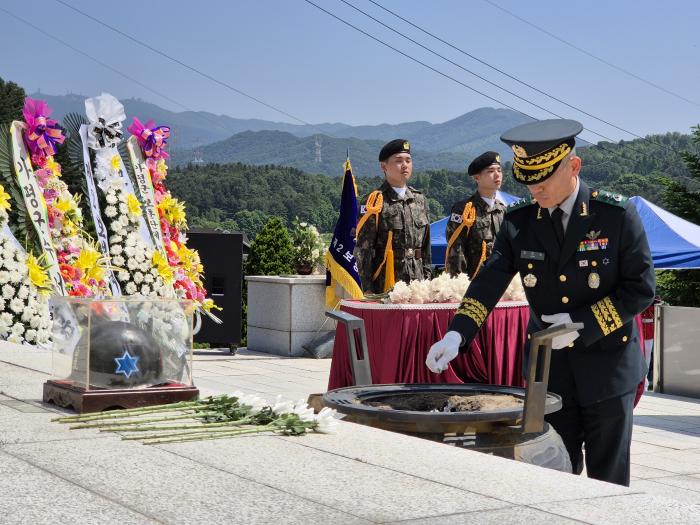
127, 351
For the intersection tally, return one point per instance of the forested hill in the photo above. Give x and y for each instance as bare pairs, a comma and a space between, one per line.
242, 197
634, 167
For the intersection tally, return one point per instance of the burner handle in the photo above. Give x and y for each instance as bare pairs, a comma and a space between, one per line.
355, 331
538, 374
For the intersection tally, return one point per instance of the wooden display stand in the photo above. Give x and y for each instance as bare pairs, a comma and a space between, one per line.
67, 395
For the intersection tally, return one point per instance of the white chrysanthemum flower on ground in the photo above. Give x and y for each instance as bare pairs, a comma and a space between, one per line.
282, 406
304, 411
254, 403
326, 421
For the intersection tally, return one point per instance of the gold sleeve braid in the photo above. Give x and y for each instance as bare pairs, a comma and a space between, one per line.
605, 313
473, 309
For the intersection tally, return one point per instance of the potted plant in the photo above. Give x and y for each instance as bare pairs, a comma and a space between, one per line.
308, 249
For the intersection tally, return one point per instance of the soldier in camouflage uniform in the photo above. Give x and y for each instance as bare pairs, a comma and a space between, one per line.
472, 228
398, 212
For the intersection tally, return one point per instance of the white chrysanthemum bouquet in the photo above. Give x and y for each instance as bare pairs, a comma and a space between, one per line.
445, 289
24, 288
142, 271
515, 290
442, 289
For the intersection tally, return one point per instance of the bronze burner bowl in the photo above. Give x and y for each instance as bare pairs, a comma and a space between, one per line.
353, 400
497, 432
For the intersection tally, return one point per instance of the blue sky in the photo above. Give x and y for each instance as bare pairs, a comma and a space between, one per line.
294, 57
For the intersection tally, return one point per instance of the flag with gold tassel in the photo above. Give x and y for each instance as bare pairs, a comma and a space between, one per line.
342, 276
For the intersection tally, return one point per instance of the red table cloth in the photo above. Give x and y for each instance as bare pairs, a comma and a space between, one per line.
400, 335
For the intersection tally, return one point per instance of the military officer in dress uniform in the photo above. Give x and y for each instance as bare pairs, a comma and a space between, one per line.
474, 222
583, 256
393, 232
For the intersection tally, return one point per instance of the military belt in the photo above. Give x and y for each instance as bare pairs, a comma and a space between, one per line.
409, 253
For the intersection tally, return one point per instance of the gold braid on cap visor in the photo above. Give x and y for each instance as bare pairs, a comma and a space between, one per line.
532, 169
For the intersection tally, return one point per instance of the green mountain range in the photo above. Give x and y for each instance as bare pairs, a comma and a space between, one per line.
200, 134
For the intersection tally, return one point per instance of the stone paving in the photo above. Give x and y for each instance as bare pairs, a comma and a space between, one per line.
359, 475
665, 440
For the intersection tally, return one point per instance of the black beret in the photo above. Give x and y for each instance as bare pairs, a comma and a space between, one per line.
540, 146
483, 161
394, 147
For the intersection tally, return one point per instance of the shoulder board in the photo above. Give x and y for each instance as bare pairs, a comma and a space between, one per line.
519, 204
609, 198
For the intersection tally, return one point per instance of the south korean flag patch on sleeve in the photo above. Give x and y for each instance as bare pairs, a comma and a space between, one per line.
456, 217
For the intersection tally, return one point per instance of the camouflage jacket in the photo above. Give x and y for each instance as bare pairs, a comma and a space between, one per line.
407, 218
465, 253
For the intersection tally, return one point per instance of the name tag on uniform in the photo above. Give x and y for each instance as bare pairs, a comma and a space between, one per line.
535, 256
455, 217
363, 209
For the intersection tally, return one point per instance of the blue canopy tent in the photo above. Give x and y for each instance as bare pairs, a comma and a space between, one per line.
674, 242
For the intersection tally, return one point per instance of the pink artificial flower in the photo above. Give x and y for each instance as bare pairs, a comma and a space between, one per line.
42, 133
151, 138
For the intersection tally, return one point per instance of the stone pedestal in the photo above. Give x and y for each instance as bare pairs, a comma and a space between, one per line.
285, 313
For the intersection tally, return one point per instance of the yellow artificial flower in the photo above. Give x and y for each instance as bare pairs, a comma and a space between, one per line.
161, 167
174, 211
116, 162
209, 305
190, 263
4, 199
38, 274
89, 261
87, 258
69, 228
96, 272
52, 165
64, 205
133, 204
160, 263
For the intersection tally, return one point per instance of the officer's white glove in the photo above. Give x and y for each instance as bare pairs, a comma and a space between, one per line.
444, 351
560, 341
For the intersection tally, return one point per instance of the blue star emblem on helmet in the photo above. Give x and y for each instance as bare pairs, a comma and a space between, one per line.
126, 364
